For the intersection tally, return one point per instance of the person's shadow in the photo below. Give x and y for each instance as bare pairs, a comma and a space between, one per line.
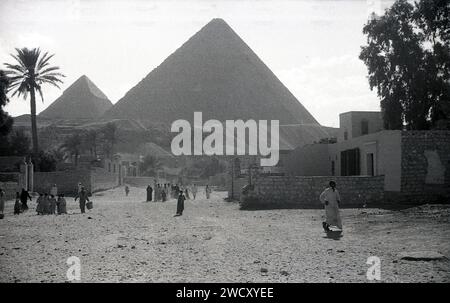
334, 234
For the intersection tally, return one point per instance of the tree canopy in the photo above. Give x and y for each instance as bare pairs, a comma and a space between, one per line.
408, 60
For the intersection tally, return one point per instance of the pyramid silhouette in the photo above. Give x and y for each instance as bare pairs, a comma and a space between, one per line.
214, 72
82, 100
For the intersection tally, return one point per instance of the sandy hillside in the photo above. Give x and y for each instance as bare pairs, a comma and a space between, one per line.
126, 239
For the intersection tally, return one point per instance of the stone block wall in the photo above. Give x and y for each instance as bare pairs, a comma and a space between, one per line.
425, 166
66, 181
303, 192
101, 179
10, 189
143, 181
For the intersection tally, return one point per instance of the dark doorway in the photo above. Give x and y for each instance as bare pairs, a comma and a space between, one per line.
370, 165
350, 162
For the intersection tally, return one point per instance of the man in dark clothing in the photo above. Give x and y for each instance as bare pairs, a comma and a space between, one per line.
149, 193
180, 204
24, 196
83, 196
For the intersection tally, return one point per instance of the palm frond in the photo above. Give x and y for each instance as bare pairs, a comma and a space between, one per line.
38, 88
44, 61
48, 70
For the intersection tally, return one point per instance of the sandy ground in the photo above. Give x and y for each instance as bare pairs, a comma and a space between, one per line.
124, 239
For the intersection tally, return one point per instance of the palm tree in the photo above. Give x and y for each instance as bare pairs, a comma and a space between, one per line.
90, 140
110, 137
27, 75
73, 146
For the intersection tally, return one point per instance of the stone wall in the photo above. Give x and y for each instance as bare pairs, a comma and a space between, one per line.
143, 181
425, 166
303, 192
101, 179
10, 189
66, 181
234, 189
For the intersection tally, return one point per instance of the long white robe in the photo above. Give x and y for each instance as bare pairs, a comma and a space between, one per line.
332, 209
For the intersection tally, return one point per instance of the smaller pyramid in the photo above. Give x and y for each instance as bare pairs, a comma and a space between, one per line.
82, 100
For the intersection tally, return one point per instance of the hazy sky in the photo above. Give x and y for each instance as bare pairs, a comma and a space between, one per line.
311, 45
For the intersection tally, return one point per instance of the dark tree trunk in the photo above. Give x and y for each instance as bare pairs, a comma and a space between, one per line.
34, 132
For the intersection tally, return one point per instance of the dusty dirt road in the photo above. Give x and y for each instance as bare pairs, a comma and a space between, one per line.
124, 239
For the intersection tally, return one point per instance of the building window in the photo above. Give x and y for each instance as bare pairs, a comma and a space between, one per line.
350, 162
364, 127
346, 135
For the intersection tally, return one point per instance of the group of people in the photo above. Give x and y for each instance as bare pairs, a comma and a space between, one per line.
163, 192
20, 205
50, 205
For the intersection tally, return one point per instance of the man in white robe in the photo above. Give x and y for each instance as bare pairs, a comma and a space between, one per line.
331, 199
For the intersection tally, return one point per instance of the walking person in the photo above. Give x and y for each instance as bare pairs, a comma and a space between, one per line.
46, 204
79, 188
24, 197
186, 193
180, 204
208, 191
40, 204
194, 191
331, 199
54, 190
127, 190
83, 196
2, 203
61, 205
17, 205
163, 195
149, 193
52, 205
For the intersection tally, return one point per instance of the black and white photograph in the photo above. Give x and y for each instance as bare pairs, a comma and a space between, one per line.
198, 142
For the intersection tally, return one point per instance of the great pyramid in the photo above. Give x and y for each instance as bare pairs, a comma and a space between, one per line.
82, 100
214, 72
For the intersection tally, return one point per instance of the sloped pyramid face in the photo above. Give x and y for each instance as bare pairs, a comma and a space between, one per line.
82, 100
215, 73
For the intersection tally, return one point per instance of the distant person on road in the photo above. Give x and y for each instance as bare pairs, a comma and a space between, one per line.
2, 202
40, 204
149, 193
180, 204
186, 193
52, 205
24, 196
46, 204
83, 196
54, 190
330, 198
207, 191
163, 195
157, 192
194, 191
61, 205
127, 190
17, 205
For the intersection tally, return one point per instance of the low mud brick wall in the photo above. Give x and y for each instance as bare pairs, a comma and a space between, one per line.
101, 179
304, 192
66, 181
